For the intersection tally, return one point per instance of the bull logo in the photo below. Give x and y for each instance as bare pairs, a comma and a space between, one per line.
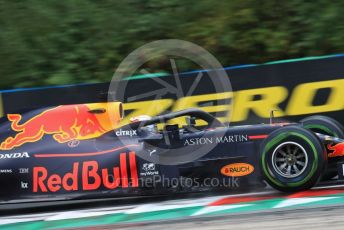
338, 150
65, 123
148, 167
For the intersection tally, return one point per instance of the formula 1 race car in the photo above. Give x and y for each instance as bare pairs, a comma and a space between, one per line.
81, 151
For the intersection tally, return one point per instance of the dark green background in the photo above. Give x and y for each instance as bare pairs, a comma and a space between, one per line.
76, 41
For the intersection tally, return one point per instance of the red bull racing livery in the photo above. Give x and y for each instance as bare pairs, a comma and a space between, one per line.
82, 151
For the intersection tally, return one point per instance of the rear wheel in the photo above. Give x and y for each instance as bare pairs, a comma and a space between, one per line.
292, 159
327, 126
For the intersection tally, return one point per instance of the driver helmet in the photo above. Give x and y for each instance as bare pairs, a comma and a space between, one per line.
150, 128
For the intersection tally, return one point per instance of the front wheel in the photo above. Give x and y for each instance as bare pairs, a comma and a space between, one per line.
327, 126
292, 159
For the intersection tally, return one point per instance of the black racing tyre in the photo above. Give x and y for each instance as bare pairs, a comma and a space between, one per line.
324, 125
292, 159
328, 126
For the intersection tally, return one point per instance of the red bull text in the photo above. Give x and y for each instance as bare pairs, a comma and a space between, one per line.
92, 177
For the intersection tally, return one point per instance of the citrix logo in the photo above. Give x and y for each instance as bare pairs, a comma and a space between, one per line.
130, 133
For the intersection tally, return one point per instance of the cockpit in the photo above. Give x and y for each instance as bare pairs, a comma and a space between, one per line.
155, 129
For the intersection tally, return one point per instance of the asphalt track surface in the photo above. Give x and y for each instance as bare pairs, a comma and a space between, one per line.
315, 218
330, 215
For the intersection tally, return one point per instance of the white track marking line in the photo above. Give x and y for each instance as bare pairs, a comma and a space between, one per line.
14, 221
211, 209
64, 214
298, 201
78, 214
163, 206
329, 186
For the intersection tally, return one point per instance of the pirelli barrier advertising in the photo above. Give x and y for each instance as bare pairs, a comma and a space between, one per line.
294, 89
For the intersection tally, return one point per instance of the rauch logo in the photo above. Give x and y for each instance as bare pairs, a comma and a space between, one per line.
237, 169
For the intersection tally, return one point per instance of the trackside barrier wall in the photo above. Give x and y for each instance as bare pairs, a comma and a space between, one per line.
296, 88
